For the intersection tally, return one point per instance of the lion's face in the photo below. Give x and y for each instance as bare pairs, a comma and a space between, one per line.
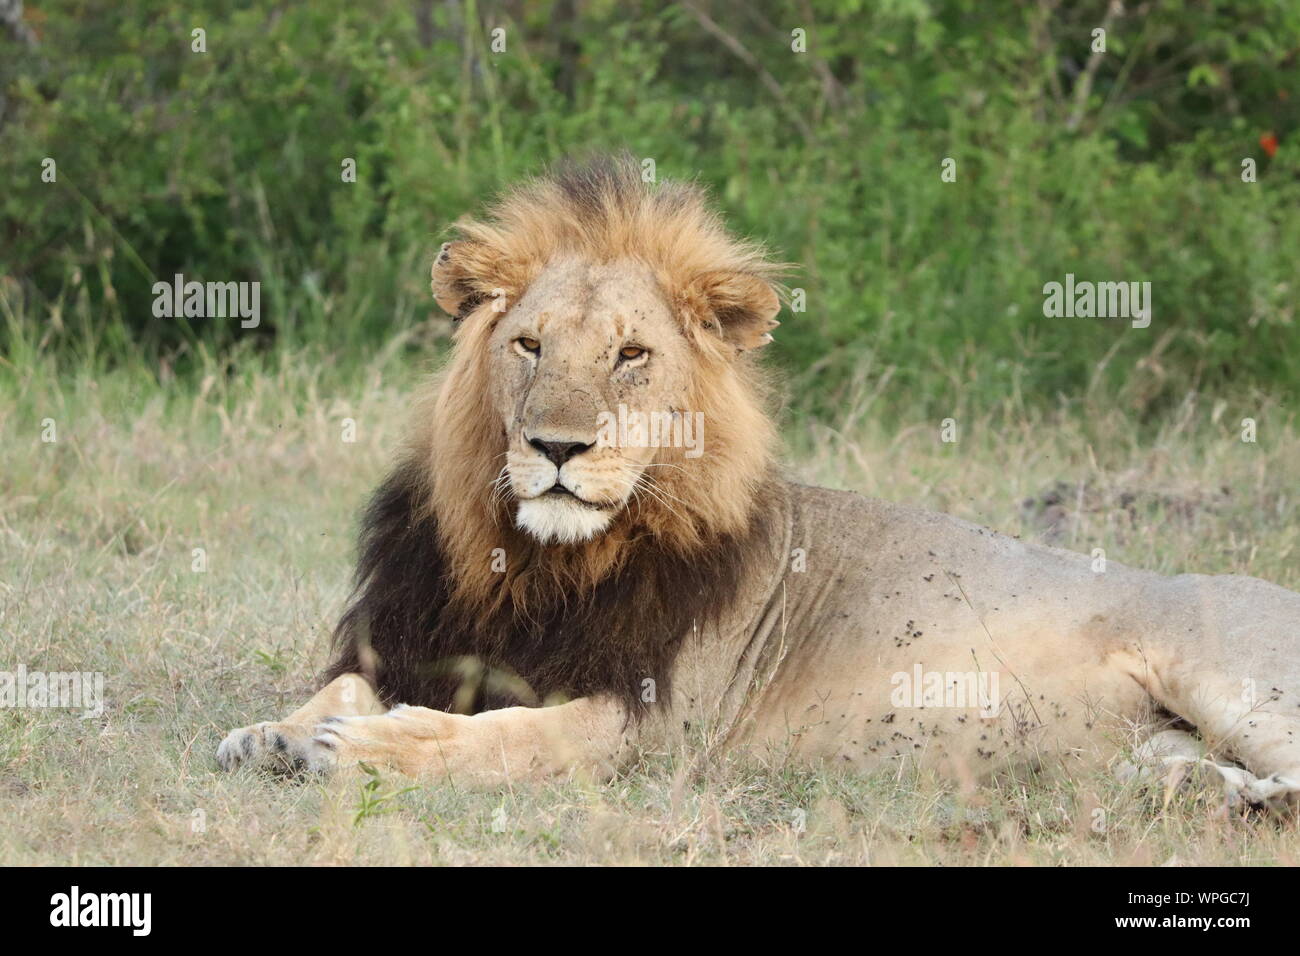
589, 375
602, 392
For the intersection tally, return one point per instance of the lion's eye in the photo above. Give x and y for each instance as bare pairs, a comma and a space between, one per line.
531, 346
629, 352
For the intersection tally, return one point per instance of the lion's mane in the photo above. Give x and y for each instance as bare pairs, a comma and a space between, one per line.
433, 619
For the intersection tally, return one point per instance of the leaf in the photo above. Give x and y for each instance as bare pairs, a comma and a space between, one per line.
1203, 74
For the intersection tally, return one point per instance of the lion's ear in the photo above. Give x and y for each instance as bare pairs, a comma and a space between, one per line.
738, 306
452, 281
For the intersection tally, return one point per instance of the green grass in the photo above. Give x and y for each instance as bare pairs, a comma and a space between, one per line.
97, 532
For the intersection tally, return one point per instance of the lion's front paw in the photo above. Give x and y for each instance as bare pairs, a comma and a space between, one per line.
283, 747
408, 739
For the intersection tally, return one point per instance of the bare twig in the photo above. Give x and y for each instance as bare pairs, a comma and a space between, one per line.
1084, 86
766, 78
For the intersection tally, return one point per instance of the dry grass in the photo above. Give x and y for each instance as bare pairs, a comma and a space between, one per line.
97, 533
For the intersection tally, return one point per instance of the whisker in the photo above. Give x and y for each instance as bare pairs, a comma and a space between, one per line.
500, 487
658, 494
666, 464
664, 491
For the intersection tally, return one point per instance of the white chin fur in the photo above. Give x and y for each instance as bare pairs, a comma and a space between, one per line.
561, 520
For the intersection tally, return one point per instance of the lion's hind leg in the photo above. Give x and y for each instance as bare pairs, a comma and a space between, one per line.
1177, 758
288, 745
1222, 652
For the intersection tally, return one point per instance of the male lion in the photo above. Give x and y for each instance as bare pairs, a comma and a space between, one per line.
541, 591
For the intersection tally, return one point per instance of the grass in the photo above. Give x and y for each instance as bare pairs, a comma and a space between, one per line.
97, 539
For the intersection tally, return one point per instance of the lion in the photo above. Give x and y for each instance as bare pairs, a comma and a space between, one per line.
548, 586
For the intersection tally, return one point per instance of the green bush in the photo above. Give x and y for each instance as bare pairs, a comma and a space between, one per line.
225, 165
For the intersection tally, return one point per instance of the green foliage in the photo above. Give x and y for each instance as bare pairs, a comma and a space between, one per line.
226, 165
373, 800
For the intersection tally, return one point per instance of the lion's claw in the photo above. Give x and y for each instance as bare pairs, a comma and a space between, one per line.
275, 746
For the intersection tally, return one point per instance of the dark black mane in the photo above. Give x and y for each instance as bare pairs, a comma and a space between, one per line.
428, 651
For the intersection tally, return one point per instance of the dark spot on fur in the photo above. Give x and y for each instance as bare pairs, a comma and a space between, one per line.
470, 301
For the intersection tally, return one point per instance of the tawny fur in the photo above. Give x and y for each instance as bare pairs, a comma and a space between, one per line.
786, 619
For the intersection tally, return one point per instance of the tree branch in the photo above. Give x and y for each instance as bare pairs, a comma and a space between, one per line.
1083, 88
767, 79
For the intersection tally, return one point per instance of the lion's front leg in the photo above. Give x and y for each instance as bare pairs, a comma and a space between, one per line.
497, 746
288, 744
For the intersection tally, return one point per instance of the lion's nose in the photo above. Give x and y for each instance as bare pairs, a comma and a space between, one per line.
558, 451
